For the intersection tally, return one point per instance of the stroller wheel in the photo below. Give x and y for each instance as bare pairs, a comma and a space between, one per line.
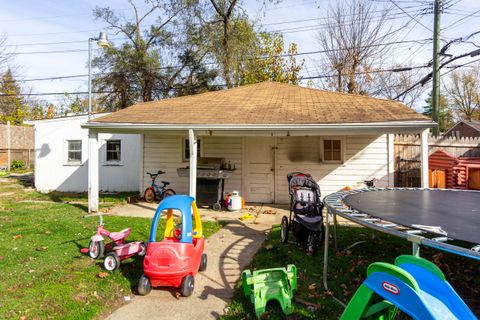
284, 230
312, 242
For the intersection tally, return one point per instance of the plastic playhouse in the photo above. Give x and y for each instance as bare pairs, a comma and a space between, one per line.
413, 285
175, 260
270, 284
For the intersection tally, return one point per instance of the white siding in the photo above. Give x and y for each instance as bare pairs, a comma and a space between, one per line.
365, 157
165, 153
52, 172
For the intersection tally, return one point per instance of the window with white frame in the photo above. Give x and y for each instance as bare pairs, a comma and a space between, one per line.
332, 150
74, 151
186, 149
114, 151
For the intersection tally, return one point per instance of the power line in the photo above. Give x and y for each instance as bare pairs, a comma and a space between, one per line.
282, 56
464, 19
396, 5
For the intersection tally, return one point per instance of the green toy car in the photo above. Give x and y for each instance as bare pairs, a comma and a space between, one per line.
270, 284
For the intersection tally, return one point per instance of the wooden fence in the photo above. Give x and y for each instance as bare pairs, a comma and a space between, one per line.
407, 154
16, 143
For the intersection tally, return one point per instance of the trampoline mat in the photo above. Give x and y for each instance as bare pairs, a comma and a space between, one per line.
456, 212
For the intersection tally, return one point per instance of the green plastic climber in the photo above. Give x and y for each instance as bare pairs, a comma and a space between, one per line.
270, 284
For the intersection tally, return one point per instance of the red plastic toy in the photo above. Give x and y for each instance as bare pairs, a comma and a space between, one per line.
174, 261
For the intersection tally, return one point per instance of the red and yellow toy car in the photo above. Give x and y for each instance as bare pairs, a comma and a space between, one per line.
174, 261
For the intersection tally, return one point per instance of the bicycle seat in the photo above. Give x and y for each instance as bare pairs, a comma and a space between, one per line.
166, 183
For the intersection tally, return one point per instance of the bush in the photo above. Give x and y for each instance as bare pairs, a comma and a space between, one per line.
17, 165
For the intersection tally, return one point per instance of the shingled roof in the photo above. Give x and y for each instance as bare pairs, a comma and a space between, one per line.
265, 103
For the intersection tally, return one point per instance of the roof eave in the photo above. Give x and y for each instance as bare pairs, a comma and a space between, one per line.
415, 124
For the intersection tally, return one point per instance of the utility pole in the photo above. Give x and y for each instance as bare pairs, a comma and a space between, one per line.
436, 70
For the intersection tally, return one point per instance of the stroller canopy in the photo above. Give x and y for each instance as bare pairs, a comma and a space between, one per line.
298, 181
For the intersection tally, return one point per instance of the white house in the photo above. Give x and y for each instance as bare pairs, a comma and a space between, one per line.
266, 130
61, 157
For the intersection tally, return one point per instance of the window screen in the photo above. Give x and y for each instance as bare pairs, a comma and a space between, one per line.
114, 150
74, 151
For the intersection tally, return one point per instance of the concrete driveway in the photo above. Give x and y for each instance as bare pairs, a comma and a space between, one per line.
229, 252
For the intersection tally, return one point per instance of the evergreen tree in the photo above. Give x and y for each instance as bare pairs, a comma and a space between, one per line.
12, 105
445, 116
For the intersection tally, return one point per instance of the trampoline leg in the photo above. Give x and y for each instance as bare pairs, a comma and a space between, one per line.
416, 249
335, 231
325, 261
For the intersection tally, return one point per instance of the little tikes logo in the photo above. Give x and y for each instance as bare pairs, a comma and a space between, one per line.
387, 286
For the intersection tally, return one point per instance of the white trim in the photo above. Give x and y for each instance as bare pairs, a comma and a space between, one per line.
391, 159
193, 163
93, 171
424, 158
268, 127
141, 164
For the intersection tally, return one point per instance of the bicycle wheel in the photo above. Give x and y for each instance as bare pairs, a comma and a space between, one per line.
149, 195
168, 193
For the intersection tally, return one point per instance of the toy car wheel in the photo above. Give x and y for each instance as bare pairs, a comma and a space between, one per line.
203, 262
149, 195
95, 249
143, 249
144, 286
217, 206
111, 262
188, 283
284, 230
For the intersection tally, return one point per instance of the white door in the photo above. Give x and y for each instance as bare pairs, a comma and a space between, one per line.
259, 173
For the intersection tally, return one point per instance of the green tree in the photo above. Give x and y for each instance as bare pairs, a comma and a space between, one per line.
445, 115
149, 64
12, 105
269, 61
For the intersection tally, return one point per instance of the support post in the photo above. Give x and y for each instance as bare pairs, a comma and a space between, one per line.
391, 159
193, 163
424, 158
9, 145
93, 171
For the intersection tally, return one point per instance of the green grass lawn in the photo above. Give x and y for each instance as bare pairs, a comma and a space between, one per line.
347, 270
43, 274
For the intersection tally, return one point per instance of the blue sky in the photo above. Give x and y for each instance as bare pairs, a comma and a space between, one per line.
28, 24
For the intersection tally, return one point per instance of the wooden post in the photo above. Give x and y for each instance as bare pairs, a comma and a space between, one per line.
193, 163
424, 158
9, 146
93, 171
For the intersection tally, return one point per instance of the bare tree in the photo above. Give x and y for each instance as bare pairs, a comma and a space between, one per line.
464, 92
395, 80
353, 39
5, 54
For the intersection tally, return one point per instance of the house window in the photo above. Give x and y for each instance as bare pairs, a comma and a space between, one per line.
186, 149
332, 150
114, 150
74, 153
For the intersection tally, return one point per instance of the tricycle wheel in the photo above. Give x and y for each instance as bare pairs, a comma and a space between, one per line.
284, 230
188, 283
203, 262
95, 249
144, 286
149, 195
111, 262
143, 249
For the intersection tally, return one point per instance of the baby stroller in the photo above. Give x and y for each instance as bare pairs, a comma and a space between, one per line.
306, 206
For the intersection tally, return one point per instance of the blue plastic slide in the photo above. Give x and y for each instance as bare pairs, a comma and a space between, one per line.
413, 285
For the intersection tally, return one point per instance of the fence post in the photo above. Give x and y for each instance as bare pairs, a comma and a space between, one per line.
9, 146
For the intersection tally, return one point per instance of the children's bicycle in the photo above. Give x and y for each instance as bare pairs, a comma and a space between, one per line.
155, 192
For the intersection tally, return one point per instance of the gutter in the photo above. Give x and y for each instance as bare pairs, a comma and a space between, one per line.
261, 127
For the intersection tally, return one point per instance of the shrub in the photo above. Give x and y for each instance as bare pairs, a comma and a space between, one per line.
17, 165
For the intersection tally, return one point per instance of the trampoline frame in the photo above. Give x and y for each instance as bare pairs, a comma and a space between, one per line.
335, 206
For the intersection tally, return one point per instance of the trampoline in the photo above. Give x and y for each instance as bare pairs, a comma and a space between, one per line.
444, 219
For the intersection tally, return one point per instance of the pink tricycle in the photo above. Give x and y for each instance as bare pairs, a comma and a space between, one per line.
117, 250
